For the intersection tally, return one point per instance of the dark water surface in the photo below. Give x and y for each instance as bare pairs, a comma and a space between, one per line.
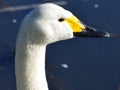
77, 64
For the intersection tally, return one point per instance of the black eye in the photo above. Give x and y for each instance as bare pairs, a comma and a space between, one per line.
61, 19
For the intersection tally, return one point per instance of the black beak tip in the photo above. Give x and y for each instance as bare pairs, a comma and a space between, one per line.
92, 34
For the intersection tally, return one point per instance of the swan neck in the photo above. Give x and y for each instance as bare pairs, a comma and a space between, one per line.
30, 67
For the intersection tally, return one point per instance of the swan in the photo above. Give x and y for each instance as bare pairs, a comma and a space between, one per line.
46, 24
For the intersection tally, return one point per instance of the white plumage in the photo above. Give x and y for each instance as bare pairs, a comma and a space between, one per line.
46, 24
38, 29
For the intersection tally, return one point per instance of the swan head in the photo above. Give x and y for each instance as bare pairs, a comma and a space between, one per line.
49, 23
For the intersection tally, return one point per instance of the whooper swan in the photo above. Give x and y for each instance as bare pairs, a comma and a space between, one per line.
46, 24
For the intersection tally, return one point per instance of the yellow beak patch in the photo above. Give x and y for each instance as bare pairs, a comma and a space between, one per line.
75, 24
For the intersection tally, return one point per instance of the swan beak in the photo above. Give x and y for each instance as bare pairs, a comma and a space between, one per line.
90, 32
75, 24
81, 30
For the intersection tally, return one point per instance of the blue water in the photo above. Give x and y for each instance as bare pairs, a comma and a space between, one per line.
76, 64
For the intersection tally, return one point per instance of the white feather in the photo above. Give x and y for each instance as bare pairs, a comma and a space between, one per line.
38, 29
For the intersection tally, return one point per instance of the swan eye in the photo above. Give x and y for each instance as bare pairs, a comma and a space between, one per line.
61, 19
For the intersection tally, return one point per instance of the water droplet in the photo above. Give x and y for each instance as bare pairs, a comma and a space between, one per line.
96, 5
14, 20
64, 66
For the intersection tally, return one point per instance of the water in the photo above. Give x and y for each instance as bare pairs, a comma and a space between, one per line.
79, 64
